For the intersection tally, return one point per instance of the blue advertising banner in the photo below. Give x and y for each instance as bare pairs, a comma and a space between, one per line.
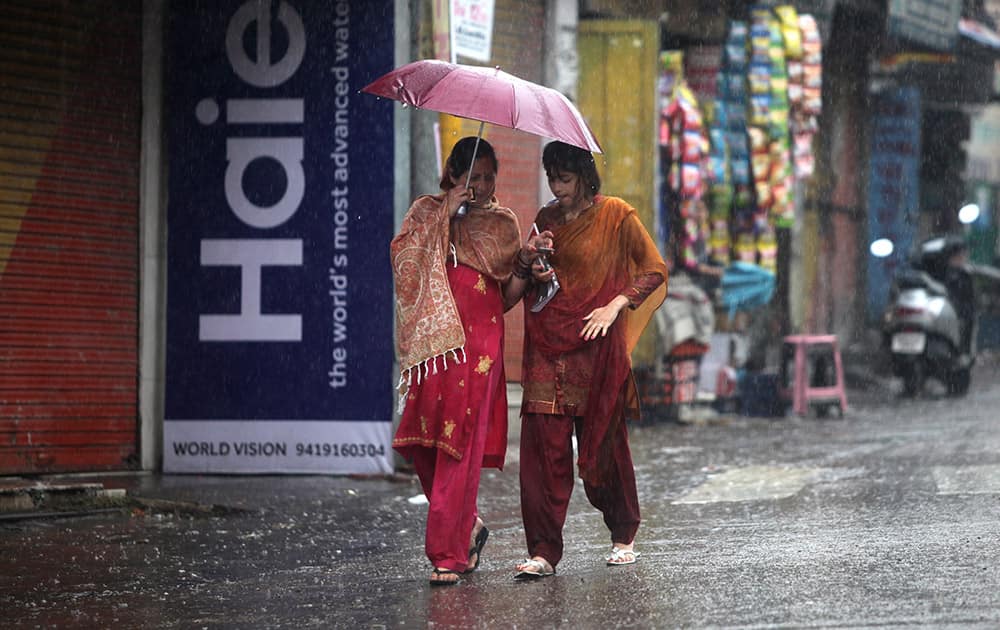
894, 187
279, 300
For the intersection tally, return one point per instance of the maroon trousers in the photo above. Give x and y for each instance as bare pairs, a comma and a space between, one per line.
547, 478
452, 488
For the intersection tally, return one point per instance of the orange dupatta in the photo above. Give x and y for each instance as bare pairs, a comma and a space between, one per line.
597, 257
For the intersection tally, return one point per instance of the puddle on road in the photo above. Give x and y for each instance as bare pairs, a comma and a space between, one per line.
967, 479
758, 483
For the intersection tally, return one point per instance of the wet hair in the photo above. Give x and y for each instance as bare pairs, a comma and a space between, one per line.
559, 157
460, 159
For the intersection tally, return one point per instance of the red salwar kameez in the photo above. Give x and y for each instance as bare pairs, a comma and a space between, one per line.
571, 384
455, 416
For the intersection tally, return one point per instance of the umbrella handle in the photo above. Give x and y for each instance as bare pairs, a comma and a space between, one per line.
464, 208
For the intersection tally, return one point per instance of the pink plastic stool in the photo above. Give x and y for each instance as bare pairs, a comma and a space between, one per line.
803, 388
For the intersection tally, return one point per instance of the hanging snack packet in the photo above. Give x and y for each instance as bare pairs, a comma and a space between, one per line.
758, 140
760, 107
790, 30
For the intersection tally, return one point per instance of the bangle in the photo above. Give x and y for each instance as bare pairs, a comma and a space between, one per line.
522, 268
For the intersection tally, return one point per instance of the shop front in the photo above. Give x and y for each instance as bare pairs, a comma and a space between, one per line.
709, 118
941, 74
69, 226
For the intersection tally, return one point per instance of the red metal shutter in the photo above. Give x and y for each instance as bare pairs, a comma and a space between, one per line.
70, 106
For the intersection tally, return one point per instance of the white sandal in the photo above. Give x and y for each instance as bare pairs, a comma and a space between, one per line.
619, 556
531, 569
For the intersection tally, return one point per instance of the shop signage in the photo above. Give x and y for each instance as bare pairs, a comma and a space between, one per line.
931, 23
279, 299
983, 160
894, 186
472, 28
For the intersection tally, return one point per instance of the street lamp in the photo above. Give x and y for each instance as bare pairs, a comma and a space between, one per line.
968, 213
881, 248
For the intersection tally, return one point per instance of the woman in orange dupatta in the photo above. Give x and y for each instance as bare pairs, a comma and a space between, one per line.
453, 279
577, 368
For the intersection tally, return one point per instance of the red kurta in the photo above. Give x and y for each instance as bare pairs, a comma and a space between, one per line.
441, 410
450, 385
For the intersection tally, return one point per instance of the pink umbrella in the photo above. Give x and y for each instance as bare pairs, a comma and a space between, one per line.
488, 95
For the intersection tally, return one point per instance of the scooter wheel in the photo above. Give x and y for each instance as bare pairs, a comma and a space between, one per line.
959, 381
914, 376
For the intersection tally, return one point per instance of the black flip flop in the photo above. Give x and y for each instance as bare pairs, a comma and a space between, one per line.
477, 548
440, 572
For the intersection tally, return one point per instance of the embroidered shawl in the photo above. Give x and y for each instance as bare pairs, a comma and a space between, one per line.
428, 325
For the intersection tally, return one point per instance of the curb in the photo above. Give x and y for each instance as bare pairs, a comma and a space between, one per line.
18, 497
25, 500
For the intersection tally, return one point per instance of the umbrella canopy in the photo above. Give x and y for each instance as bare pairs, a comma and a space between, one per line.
486, 95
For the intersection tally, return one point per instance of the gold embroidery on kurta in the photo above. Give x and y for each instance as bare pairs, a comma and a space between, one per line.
468, 411
493, 319
481, 285
423, 424
449, 428
461, 383
485, 363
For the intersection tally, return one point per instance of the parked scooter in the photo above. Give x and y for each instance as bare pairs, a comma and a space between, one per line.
930, 330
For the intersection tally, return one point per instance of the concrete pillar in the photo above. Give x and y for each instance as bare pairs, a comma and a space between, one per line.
153, 240
402, 118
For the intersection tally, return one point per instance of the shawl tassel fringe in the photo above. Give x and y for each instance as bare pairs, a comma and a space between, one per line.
422, 369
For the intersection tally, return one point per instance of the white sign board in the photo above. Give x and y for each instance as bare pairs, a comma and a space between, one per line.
472, 29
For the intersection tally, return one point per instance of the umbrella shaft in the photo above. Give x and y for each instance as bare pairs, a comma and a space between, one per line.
464, 208
475, 150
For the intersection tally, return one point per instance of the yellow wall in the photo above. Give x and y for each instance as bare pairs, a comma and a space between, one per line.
617, 95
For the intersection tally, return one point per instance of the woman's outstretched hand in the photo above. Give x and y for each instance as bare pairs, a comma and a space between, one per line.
599, 320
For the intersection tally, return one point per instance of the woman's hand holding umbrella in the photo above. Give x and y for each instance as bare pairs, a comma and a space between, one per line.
455, 198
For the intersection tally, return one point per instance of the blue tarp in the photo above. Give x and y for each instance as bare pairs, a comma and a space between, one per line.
746, 286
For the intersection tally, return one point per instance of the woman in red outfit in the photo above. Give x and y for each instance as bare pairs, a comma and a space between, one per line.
453, 278
577, 374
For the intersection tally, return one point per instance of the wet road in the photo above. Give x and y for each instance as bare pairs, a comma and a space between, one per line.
888, 517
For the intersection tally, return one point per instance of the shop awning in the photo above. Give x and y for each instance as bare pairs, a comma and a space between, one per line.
979, 33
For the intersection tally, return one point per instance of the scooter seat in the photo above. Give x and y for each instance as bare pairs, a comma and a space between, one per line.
913, 279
